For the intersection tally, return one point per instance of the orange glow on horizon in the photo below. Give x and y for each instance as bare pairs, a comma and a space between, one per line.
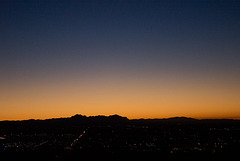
146, 98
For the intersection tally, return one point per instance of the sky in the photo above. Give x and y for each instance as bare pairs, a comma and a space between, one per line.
135, 58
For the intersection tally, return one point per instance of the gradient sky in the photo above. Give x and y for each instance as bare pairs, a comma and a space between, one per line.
140, 59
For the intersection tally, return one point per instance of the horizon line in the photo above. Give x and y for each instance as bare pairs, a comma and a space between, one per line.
140, 118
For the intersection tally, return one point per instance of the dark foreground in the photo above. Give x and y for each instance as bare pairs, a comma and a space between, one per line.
120, 155
117, 138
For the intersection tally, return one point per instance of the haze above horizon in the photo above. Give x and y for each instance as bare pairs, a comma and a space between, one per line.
139, 59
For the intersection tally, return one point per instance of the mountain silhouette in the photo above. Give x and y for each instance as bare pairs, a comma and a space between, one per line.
82, 120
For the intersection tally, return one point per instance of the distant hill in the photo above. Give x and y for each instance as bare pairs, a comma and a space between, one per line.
76, 120
172, 120
82, 120
100, 119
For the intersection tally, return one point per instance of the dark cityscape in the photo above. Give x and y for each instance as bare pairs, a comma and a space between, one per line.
118, 138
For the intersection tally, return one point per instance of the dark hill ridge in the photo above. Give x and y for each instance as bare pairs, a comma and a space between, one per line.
113, 119
76, 120
178, 119
60, 124
100, 119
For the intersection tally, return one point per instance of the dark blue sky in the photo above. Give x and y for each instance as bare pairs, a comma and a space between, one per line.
69, 32
48, 40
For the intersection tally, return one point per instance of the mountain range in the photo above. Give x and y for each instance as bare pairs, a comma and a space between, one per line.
116, 119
